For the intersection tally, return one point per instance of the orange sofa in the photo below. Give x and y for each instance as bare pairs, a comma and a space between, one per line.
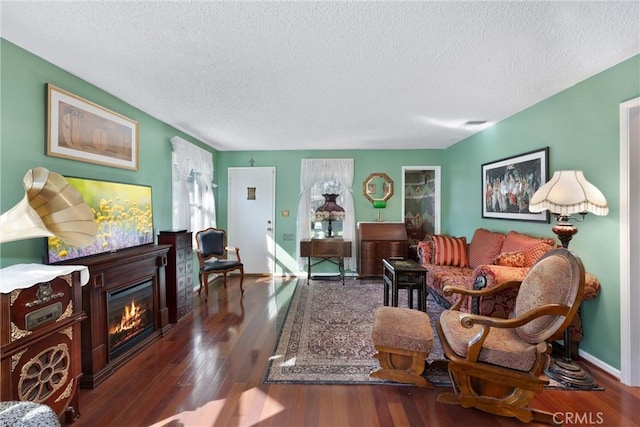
489, 259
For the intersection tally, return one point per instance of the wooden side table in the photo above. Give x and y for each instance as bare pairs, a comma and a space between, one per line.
326, 249
408, 274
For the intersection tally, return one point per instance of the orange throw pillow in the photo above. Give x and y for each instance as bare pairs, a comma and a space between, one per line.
450, 250
511, 259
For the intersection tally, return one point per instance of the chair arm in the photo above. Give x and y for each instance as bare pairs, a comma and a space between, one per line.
469, 320
475, 344
235, 250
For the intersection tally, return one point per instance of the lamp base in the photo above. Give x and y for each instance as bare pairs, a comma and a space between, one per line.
570, 374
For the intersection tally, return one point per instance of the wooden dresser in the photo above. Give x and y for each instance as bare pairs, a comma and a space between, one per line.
179, 273
379, 240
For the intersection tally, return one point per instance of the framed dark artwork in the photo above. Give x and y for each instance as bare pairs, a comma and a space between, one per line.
81, 130
509, 184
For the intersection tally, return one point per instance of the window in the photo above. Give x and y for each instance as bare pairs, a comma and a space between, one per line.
192, 187
321, 176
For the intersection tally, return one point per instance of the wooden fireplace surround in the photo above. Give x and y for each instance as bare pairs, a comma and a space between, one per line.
109, 273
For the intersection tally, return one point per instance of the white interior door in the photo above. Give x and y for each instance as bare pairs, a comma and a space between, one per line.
251, 202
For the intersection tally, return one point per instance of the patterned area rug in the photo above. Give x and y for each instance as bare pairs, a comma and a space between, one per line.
326, 337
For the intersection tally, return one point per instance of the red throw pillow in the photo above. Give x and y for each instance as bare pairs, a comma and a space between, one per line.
450, 250
511, 259
484, 247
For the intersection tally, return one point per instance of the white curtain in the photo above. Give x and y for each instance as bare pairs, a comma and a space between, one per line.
192, 162
317, 170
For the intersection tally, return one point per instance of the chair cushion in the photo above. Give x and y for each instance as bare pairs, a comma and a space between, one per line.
484, 247
402, 328
551, 281
532, 247
220, 265
502, 347
450, 250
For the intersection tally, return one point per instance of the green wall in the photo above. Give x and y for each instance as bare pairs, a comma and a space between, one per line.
287, 164
23, 142
580, 125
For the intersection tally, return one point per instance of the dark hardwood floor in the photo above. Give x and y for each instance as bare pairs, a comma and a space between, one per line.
208, 371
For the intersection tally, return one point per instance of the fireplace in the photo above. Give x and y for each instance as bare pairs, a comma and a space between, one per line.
129, 317
115, 281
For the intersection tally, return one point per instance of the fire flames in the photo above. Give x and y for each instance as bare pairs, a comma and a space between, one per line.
131, 319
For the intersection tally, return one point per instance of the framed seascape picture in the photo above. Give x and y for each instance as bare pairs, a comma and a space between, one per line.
81, 130
508, 184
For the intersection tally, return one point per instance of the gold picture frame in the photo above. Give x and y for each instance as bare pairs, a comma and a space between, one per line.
79, 129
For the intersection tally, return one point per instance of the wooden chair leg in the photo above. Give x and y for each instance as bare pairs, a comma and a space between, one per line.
224, 275
241, 279
206, 287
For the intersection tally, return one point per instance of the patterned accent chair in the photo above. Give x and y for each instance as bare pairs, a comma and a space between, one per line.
497, 365
213, 256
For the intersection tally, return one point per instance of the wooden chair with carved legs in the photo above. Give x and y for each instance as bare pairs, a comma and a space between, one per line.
497, 365
213, 257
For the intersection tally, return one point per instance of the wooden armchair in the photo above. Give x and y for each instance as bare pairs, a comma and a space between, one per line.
213, 254
497, 365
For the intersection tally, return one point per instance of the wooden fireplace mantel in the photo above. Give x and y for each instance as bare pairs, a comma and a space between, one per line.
109, 273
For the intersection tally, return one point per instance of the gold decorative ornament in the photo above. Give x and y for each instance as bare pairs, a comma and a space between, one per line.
67, 312
15, 358
14, 296
17, 333
67, 391
68, 332
43, 375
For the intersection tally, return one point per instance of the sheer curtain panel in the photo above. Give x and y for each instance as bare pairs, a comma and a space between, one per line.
192, 187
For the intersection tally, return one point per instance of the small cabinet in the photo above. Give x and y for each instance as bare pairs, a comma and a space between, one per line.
179, 273
40, 339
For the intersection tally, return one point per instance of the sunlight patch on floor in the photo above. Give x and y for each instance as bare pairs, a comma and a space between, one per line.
208, 414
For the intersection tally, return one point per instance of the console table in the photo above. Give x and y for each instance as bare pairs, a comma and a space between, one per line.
326, 249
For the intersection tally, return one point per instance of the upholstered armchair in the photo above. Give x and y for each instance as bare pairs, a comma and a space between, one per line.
213, 257
497, 365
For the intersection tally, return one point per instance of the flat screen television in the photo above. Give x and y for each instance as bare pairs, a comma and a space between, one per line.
123, 213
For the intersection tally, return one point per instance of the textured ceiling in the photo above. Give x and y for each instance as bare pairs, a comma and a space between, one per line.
327, 75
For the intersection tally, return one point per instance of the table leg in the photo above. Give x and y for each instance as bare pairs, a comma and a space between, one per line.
410, 296
423, 292
394, 290
341, 269
308, 269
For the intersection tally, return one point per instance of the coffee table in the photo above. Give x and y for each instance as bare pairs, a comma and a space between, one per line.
407, 274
